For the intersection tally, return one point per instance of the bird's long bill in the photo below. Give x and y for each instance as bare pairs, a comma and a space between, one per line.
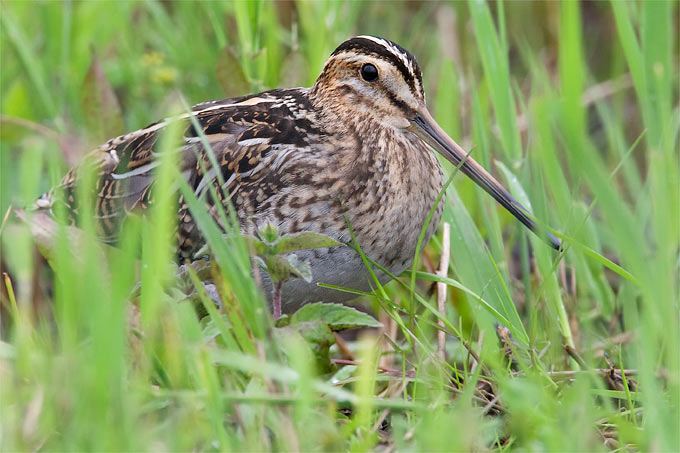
430, 132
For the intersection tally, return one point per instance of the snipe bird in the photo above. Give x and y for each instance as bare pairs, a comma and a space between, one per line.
354, 148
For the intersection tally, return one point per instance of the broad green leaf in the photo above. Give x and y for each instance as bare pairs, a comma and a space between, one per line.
302, 267
278, 268
337, 316
318, 336
343, 374
255, 245
281, 268
303, 241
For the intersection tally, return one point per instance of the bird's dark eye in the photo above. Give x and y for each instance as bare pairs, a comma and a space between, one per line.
369, 72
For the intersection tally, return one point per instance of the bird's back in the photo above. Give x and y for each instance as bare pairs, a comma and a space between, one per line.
251, 139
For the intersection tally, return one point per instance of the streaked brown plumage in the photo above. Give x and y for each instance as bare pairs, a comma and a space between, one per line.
351, 148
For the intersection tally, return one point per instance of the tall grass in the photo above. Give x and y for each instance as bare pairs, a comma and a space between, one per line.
574, 106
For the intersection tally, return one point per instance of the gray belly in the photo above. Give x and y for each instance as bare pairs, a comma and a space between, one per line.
342, 267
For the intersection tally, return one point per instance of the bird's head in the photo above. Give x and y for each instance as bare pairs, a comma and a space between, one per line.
373, 77
370, 77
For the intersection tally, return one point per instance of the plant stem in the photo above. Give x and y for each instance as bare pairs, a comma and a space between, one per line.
277, 300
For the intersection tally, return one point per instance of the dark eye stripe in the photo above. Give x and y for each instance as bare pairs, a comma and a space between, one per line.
396, 102
390, 96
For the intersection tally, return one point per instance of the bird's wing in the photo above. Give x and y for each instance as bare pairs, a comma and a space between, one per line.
249, 137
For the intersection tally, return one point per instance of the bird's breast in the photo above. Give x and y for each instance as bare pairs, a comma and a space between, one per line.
389, 217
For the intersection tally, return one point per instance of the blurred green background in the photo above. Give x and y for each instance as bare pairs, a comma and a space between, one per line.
573, 105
